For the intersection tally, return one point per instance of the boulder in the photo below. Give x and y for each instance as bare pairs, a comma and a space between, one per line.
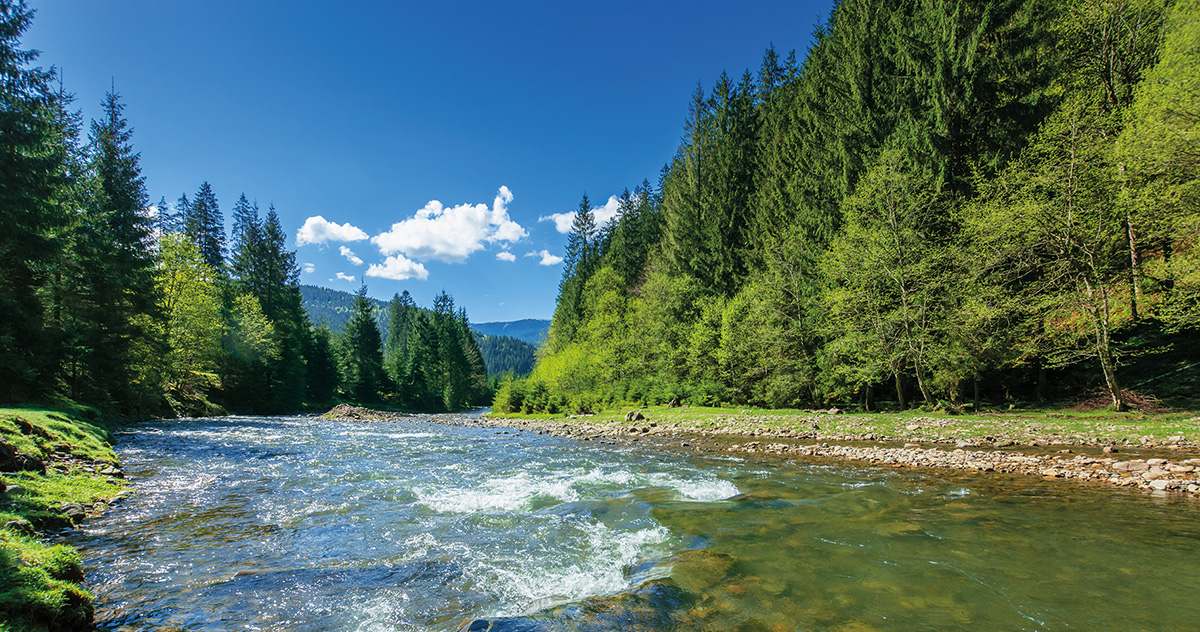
634, 415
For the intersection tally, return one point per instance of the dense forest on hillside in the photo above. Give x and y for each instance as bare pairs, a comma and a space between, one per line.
942, 202
152, 309
333, 308
505, 354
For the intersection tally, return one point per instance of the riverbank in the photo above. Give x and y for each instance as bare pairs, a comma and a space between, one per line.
1155, 453
56, 469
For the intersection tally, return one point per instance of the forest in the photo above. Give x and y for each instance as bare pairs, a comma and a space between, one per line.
147, 309
942, 202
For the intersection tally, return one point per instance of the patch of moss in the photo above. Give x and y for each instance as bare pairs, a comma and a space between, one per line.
39, 582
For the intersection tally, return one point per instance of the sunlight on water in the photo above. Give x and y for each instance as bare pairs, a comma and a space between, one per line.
300, 524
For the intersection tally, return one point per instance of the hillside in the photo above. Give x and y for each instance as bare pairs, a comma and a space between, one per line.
506, 346
332, 308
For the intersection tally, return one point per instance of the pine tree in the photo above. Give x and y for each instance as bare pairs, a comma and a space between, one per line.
362, 348
401, 312
117, 281
35, 140
205, 225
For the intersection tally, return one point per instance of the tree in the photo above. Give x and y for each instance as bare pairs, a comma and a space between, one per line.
402, 310
116, 286
36, 136
191, 305
889, 296
577, 266
1050, 223
362, 352
205, 225
1159, 154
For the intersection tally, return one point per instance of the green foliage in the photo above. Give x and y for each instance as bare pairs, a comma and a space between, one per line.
506, 355
191, 302
943, 196
39, 582
361, 347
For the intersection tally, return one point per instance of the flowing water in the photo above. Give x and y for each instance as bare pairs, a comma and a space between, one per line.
294, 523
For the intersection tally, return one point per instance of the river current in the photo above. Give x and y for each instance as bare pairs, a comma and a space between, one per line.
296, 523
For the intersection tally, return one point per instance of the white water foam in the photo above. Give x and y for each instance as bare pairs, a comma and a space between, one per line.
515, 493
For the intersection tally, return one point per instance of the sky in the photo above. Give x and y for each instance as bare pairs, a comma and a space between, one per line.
420, 146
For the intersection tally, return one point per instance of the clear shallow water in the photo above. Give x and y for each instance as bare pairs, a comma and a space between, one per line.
300, 524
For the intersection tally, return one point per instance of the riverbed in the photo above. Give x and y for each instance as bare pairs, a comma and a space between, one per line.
300, 523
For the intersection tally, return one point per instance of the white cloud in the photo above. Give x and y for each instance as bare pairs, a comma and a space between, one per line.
562, 221
318, 230
344, 277
451, 234
506, 256
398, 268
547, 258
350, 256
309, 268
603, 215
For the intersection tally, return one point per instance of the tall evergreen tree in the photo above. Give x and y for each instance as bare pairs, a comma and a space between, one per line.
205, 225
401, 312
117, 281
35, 138
362, 352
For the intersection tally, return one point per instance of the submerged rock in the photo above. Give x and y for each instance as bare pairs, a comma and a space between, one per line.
653, 606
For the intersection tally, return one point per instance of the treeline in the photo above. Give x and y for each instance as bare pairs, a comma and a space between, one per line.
150, 309
941, 202
430, 362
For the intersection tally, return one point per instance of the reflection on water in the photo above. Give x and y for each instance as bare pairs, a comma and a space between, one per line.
296, 523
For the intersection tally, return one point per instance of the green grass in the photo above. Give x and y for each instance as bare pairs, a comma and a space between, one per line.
1021, 425
39, 582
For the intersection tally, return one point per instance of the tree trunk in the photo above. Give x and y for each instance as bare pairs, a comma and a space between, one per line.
1135, 292
870, 395
975, 383
900, 391
1042, 384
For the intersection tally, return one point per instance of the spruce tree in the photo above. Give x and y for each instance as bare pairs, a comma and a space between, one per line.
205, 225
401, 312
117, 281
35, 139
362, 368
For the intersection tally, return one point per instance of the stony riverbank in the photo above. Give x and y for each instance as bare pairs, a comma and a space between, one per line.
1177, 470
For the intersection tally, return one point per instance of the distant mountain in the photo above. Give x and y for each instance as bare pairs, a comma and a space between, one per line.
531, 330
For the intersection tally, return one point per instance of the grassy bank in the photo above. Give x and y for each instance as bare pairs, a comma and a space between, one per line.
56, 467
1024, 426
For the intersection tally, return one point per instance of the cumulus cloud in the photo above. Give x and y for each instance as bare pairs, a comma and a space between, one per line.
451, 234
398, 268
603, 214
547, 258
318, 230
506, 256
350, 256
309, 268
344, 277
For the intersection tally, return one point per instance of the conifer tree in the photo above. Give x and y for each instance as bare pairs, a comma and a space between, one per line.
205, 225
117, 280
362, 349
35, 137
401, 312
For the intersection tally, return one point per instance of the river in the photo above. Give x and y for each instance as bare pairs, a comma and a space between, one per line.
295, 523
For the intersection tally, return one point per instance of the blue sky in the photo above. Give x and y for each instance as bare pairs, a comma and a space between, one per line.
430, 138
